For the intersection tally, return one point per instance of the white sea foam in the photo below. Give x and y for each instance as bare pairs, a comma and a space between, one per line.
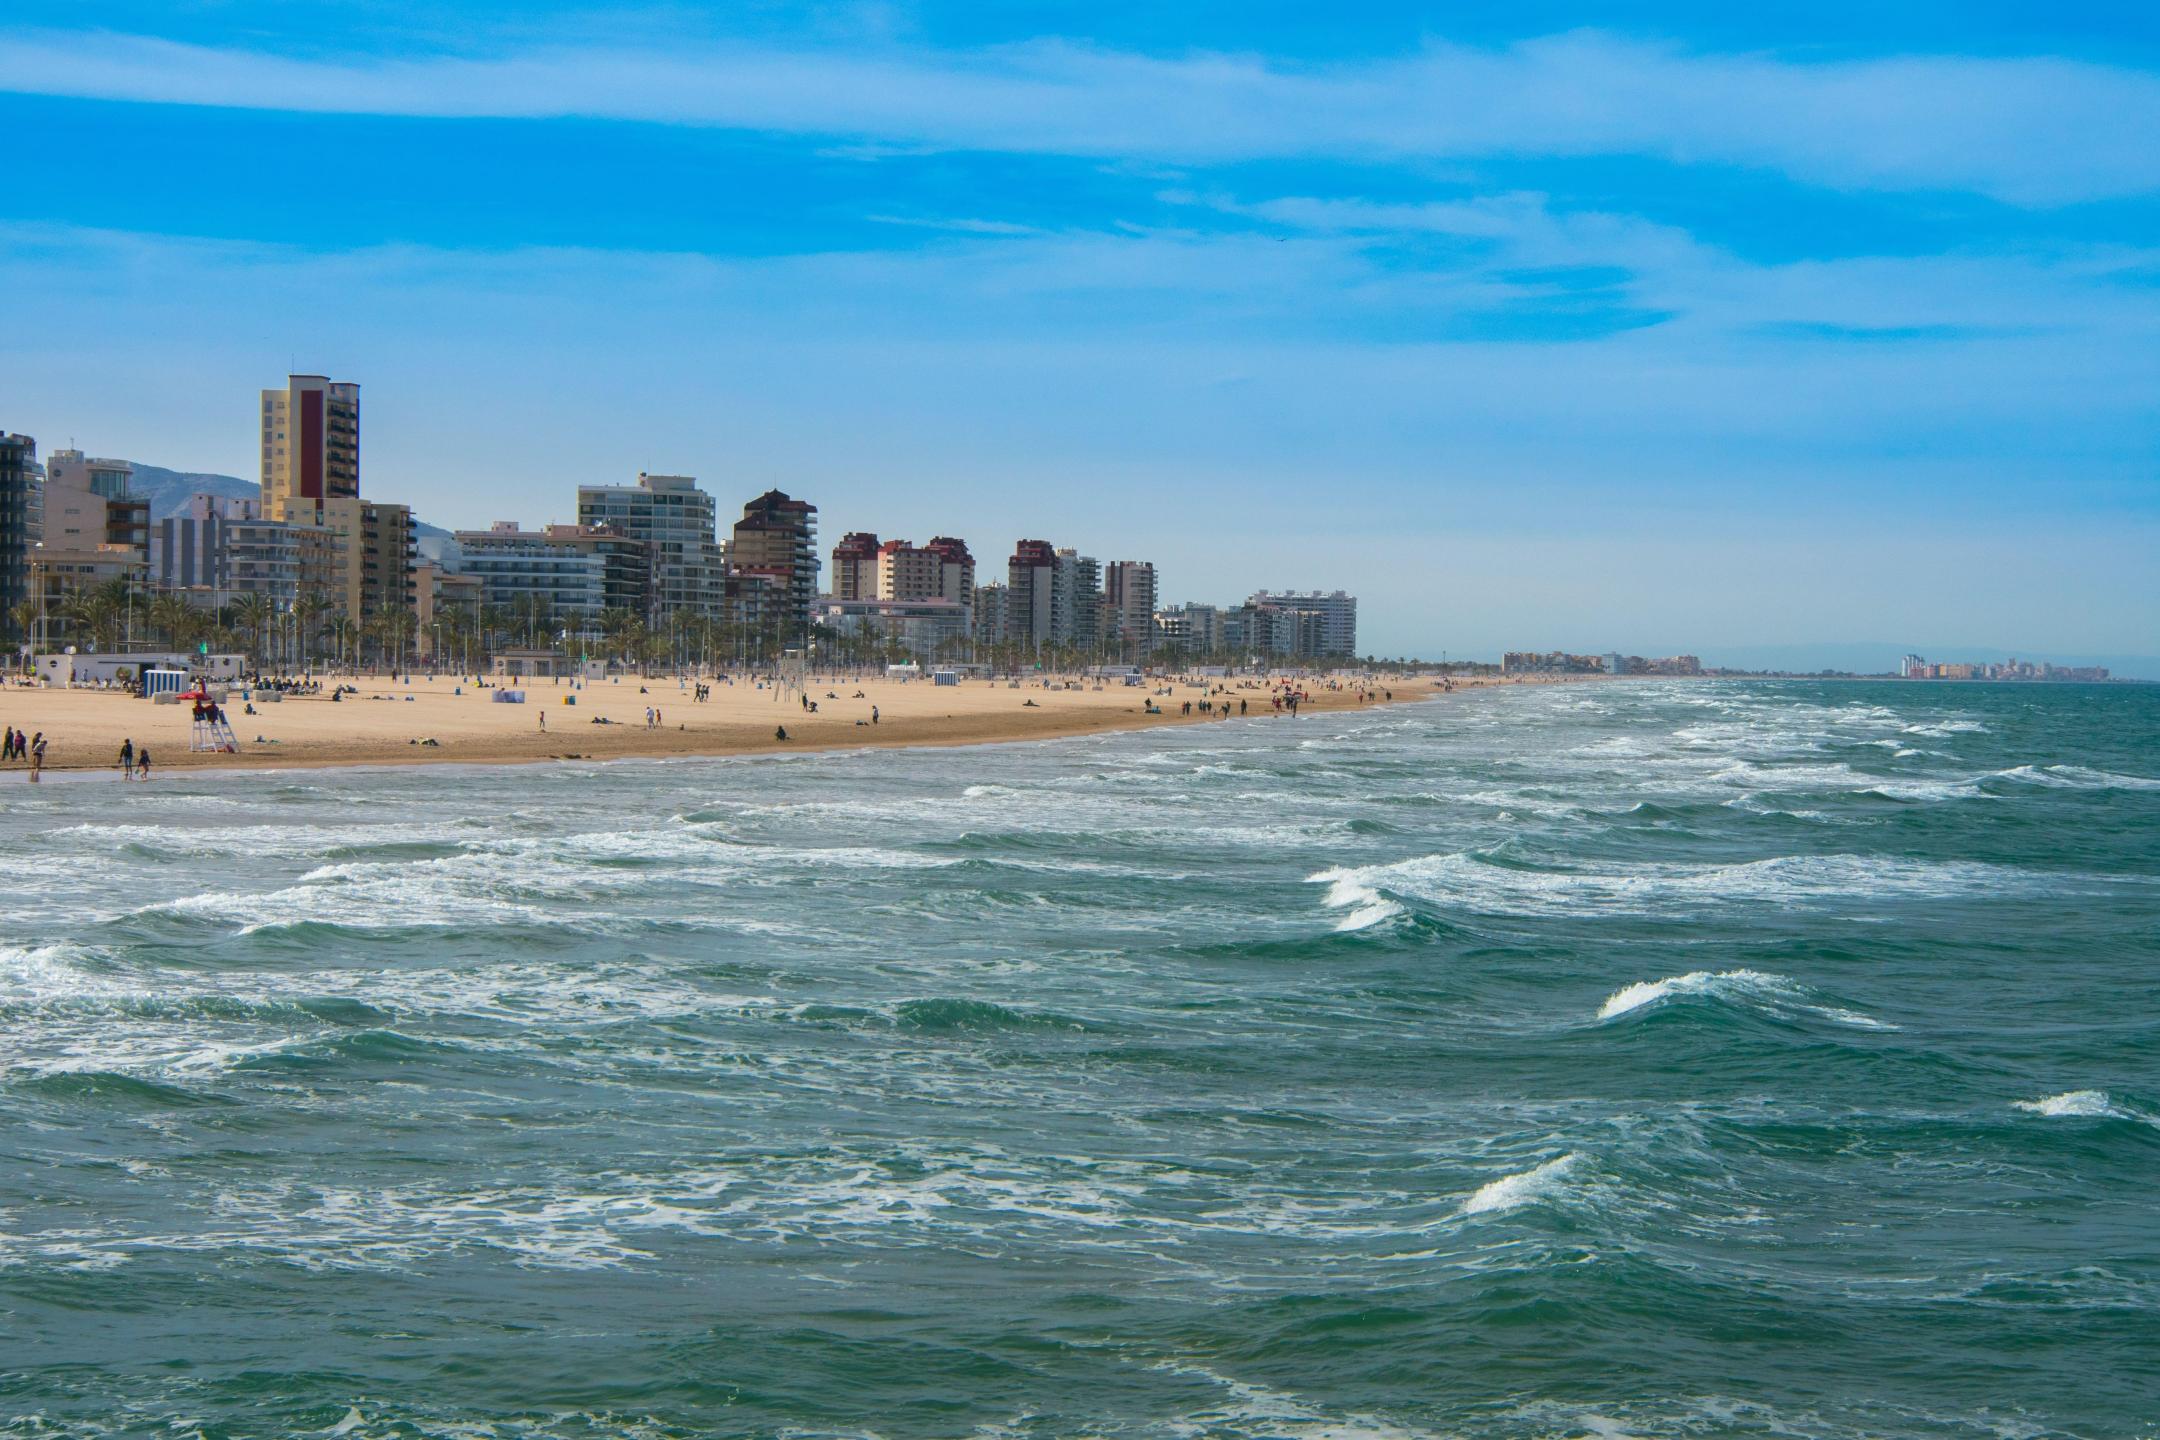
1349, 890
1772, 992
2078, 777
1250, 1409
1542, 1182
1695, 982
1477, 882
1945, 727
2083, 1105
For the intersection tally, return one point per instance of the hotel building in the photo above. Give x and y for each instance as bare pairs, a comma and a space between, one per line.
1332, 629
1129, 605
1031, 594
777, 537
855, 566
310, 443
678, 525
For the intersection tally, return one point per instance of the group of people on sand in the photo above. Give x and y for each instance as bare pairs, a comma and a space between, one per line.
14, 745
135, 764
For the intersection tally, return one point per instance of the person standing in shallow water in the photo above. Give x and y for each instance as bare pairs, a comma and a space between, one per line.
142, 764
127, 759
37, 758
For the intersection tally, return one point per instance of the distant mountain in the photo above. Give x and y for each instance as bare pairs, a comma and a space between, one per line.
168, 490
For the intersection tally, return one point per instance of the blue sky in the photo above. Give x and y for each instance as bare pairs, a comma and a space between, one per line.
1688, 326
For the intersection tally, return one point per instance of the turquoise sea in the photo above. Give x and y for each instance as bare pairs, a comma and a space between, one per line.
1630, 1059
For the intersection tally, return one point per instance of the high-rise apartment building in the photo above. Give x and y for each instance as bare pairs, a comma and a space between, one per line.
360, 553
18, 454
1332, 630
909, 572
1190, 629
1077, 600
374, 554
572, 572
855, 566
777, 537
1031, 594
956, 569
1129, 605
310, 443
678, 525
88, 503
989, 619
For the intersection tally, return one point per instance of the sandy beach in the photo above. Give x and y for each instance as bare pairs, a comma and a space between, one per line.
391, 721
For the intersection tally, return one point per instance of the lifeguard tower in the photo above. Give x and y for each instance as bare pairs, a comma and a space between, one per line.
213, 733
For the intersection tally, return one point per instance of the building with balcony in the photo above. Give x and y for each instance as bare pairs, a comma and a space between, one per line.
677, 524
1331, 632
989, 620
956, 570
310, 445
18, 458
222, 548
570, 571
1031, 594
1129, 606
777, 538
1076, 600
91, 503
855, 566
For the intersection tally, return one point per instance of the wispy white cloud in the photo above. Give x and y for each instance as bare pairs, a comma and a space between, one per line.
2032, 131
992, 386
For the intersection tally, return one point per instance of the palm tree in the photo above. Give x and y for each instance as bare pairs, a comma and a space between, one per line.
23, 618
307, 611
169, 616
252, 614
535, 619
345, 632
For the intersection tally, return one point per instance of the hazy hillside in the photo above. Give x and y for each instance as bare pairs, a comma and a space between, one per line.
169, 489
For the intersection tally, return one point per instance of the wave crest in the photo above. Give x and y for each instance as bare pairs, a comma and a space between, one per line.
1541, 1182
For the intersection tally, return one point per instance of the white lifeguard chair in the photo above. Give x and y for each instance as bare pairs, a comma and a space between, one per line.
212, 736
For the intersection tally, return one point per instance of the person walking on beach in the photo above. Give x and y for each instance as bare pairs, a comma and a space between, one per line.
543, 720
127, 759
142, 764
37, 757
873, 708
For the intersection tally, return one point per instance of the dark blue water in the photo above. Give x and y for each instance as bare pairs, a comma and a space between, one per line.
1629, 1059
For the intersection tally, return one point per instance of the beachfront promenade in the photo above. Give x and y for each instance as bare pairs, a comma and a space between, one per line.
392, 721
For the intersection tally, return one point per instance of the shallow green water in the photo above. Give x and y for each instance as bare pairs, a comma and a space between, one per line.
1638, 1059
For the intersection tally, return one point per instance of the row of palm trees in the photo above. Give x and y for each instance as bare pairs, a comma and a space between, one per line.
309, 633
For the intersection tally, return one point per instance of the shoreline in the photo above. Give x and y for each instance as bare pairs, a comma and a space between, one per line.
85, 728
